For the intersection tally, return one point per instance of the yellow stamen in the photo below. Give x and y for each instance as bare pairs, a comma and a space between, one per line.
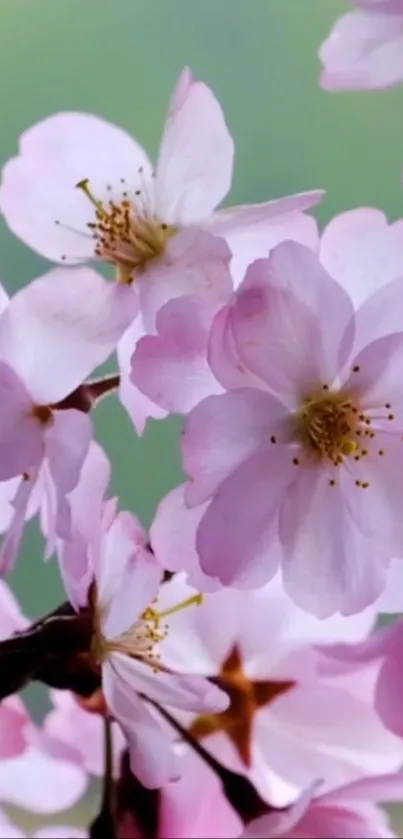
197, 599
84, 186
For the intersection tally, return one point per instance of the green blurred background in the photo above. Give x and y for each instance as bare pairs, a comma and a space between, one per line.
120, 59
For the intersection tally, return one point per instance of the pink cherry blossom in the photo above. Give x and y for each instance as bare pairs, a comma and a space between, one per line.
120, 191
289, 722
350, 812
364, 50
286, 484
129, 630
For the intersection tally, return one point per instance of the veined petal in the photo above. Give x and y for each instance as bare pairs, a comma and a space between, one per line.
171, 368
59, 328
138, 406
21, 433
222, 432
237, 536
152, 757
194, 167
173, 538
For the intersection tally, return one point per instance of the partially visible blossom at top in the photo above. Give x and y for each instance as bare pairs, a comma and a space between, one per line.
104, 199
364, 50
128, 630
301, 460
289, 721
352, 811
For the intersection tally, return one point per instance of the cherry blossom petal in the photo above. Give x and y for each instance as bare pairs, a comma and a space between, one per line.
4, 299
40, 783
277, 824
222, 432
59, 328
138, 406
224, 358
380, 314
194, 263
11, 617
377, 381
21, 433
152, 758
294, 286
329, 565
236, 539
194, 167
12, 539
59, 831
362, 251
8, 490
364, 51
173, 538
188, 692
180, 92
171, 368
14, 719
136, 589
126, 574
39, 186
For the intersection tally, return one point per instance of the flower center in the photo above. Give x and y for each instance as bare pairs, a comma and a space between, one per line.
142, 638
327, 424
126, 233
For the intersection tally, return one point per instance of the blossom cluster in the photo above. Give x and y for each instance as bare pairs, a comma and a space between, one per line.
222, 673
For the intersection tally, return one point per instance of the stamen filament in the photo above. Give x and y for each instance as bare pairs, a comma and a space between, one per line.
191, 601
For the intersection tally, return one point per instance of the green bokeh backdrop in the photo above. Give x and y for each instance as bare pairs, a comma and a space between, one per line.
120, 59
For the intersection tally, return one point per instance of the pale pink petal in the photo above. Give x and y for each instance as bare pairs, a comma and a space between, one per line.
251, 231
377, 382
137, 405
152, 757
11, 617
21, 433
377, 513
293, 281
184, 812
180, 92
362, 251
391, 599
13, 722
135, 591
279, 340
8, 830
173, 538
187, 692
8, 490
224, 358
67, 443
380, 314
333, 567
3, 299
236, 538
364, 51
12, 539
275, 825
59, 328
86, 498
200, 637
171, 368
40, 783
126, 574
222, 432
385, 788
81, 733
194, 263
388, 695
194, 167
39, 186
